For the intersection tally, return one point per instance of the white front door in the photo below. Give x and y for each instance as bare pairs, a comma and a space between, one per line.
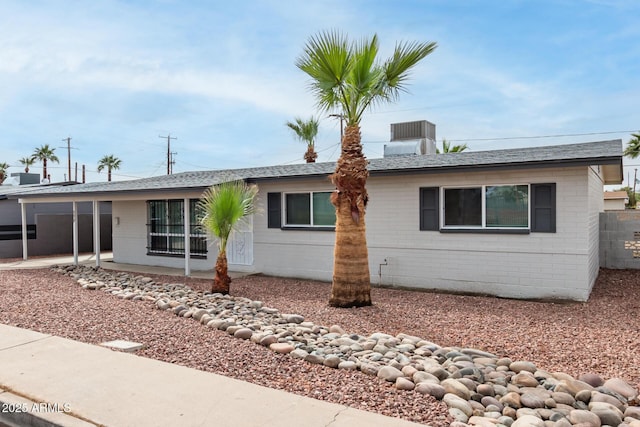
240, 245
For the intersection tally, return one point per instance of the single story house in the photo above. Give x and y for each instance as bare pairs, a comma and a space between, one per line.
615, 200
517, 223
48, 226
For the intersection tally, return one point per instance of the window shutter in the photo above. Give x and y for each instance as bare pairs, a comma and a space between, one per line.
543, 208
274, 206
429, 208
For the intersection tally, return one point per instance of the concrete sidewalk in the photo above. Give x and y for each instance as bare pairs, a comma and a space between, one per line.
48, 381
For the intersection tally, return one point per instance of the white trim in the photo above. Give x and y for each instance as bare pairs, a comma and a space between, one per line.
75, 233
96, 231
23, 216
187, 237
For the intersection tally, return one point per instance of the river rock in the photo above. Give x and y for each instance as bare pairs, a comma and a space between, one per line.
389, 373
621, 387
433, 389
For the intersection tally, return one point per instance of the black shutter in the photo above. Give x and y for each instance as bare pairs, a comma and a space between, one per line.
429, 208
274, 206
543, 208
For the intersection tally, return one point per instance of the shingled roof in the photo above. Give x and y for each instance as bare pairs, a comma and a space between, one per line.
607, 153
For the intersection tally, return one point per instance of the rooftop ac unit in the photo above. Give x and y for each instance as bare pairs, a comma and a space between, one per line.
421, 129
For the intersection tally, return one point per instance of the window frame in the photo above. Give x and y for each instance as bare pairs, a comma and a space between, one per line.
195, 232
483, 211
311, 226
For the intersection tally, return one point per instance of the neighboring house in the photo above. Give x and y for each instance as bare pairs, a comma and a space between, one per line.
519, 223
615, 200
48, 225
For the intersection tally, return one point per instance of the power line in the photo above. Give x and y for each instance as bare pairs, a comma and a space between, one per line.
503, 138
543, 136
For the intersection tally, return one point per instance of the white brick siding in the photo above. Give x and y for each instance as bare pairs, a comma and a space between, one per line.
536, 265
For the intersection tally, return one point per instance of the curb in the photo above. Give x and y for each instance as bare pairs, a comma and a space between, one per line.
16, 411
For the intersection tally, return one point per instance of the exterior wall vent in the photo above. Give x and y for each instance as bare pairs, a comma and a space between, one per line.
421, 129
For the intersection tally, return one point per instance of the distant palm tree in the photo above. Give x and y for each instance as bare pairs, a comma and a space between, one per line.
306, 131
44, 154
3, 171
633, 146
221, 210
448, 148
348, 78
110, 163
26, 162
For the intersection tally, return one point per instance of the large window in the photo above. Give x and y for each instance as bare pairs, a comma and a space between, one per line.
490, 206
309, 209
165, 226
515, 209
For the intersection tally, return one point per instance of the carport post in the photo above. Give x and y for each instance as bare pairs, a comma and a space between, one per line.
187, 238
23, 212
75, 233
96, 231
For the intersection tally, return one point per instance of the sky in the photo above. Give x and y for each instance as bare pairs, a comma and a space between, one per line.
118, 77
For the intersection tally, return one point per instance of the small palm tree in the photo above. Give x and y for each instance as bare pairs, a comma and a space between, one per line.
448, 148
26, 162
222, 209
109, 162
346, 77
44, 154
633, 146
3, 171
306, 131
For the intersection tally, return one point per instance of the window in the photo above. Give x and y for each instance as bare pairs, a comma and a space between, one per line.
14, 232
308, 209
166, 228
507, 206
491, 206
463, 207
521, 208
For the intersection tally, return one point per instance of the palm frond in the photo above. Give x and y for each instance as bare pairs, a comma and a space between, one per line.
346, 76
225, 207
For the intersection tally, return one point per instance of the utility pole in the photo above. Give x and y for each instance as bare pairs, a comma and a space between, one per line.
169, 138
341, 117
68, 141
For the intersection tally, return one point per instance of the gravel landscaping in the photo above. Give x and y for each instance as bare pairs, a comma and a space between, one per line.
598, 337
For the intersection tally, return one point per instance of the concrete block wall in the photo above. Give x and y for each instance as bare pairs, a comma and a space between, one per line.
620, 239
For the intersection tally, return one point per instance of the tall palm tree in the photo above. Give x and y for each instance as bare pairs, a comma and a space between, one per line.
26, 162
633, 146
109, 162
345, 77
45, 154
306, 131
222, 209
3, 171
448, 148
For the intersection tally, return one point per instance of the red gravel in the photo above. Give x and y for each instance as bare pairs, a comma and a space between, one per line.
600, 336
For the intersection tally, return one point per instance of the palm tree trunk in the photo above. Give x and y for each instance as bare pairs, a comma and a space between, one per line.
310, 155
109, 174
221, 280
44, 168
351, 285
